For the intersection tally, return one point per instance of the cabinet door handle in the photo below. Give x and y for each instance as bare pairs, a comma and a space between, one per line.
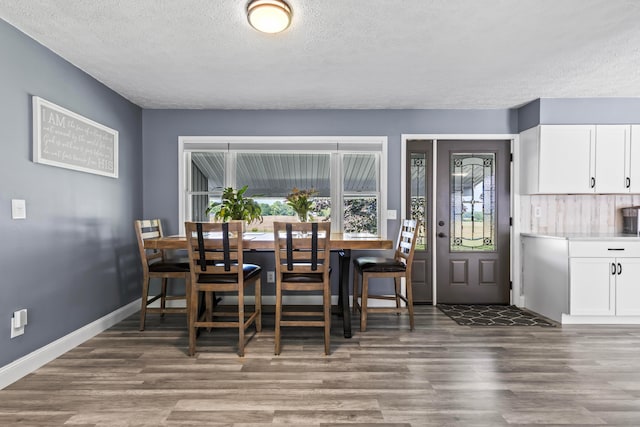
593, 182
619, 269
628, 182
613, 268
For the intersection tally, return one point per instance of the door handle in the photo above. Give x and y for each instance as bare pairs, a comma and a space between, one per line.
442, 235
593, 182
628, 184
619, 269
613, 268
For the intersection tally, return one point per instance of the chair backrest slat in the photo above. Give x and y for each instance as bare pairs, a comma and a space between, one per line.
148, 229
215, 248
302, 247
407, 237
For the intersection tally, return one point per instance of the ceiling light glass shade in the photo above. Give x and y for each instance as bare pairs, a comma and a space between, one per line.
269, 16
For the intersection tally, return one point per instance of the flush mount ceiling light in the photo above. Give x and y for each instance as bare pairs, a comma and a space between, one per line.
269, 16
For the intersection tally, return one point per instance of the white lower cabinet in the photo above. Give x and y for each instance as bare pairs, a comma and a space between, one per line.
588, 280
628, 288
592, 287
601, 285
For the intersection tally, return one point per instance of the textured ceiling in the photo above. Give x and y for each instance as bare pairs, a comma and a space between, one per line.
345, 53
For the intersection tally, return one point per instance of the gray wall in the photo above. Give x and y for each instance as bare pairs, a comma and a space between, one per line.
529, 115
74, 259
579, 111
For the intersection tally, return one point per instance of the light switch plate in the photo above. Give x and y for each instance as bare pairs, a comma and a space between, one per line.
18, 320
18, 209
392, 214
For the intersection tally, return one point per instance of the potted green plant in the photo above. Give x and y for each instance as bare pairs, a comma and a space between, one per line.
301, 202
235, 206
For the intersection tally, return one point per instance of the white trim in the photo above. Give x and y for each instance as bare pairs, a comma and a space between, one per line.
434, 191
517, 296
27, 364
182, 182
515, 239
403, 178
600, 320
383, 190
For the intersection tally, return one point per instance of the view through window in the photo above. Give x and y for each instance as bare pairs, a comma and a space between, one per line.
348, 177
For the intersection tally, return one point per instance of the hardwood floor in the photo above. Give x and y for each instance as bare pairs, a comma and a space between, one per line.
442, 374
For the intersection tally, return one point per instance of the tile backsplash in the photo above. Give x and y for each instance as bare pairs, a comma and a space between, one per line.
574, 213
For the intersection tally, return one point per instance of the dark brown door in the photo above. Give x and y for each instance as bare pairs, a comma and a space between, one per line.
419, 206
472, 222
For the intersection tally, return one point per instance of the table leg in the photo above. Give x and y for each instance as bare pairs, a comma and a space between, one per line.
344, 258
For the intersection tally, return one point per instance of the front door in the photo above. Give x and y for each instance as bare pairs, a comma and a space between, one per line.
472, 222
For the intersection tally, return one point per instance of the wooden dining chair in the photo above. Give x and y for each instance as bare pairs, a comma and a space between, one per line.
302, 252
368, 267
157, 265
217, 266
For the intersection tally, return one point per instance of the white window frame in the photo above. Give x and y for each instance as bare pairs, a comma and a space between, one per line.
333, 144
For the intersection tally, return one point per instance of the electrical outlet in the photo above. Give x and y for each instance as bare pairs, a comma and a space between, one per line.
271, 277
537, 212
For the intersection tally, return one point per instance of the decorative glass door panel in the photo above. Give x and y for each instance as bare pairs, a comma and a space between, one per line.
419, 206
473, 202
418, 195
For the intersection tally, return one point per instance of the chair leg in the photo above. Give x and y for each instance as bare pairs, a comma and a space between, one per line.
145, 297
241, 320
163, 296
278, 316
193, 315
187, 296
410, 301
364, 302
355, 290
397, 282
327, 318
258, 304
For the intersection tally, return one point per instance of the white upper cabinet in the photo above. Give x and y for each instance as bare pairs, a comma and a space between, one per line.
566, 154
611, 159
580, 159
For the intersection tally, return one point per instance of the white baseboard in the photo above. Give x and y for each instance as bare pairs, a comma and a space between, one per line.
599, 320
25, 365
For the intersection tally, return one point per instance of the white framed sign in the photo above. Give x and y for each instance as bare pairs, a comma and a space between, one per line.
68, 140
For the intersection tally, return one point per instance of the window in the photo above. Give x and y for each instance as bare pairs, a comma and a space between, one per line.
345, 172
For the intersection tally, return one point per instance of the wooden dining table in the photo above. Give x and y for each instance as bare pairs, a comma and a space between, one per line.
342, 243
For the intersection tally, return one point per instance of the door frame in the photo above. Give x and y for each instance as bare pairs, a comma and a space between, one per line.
516, 295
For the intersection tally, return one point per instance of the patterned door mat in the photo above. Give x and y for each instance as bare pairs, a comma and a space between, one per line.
491, 315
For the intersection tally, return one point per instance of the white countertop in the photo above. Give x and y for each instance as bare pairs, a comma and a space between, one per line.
583, 236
